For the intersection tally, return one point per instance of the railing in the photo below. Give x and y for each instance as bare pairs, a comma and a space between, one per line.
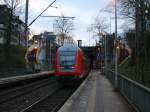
137, 94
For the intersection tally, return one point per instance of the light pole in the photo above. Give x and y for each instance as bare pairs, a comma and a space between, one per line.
105, 38
26, 22
116, 53
89, 29
26, 18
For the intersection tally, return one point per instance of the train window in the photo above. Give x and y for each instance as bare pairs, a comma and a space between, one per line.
67, 58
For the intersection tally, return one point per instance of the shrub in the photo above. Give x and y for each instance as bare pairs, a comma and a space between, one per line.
16, 57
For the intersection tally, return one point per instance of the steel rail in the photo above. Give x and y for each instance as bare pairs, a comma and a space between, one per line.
37, 102
55, 103
11, 94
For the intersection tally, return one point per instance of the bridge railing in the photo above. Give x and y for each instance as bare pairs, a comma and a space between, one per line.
137, 94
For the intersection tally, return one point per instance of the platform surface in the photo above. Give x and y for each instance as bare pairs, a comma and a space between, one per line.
96, 94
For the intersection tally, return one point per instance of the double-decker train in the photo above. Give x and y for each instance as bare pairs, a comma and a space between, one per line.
71, 63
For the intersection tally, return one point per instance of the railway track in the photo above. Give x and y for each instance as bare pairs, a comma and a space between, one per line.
18, 91
18, 98
51, 102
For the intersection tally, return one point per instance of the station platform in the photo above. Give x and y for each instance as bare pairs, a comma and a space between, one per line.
96, 94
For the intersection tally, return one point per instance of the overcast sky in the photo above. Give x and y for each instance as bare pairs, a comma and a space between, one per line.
84, 12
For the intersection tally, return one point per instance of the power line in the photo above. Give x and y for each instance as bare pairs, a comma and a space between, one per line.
41, 13
65, 17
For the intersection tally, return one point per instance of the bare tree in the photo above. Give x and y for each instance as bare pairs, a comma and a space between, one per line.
14, 8
99, 27
14, 5
138, 11
126, 8
63, 28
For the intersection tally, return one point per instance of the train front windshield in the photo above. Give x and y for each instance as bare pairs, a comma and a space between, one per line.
67, 58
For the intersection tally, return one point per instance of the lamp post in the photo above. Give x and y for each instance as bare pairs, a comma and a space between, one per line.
105, 38
26, 18
26, 22
116, 53
147, 24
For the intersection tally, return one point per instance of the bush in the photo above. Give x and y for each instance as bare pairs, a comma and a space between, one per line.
16, 57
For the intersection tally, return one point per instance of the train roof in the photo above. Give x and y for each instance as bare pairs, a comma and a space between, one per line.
68, 47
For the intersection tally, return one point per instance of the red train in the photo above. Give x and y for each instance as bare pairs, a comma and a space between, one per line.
71, 63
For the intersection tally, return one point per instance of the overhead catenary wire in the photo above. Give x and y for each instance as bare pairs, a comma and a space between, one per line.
41, 13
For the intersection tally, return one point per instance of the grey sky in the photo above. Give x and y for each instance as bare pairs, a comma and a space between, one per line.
84, 12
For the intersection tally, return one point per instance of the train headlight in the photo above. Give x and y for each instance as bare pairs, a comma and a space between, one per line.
73, 67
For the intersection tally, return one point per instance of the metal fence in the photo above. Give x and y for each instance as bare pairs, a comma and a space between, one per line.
137, 94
